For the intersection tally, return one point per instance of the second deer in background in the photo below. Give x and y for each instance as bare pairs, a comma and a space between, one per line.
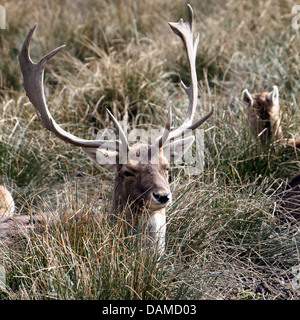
263, 112
264, 117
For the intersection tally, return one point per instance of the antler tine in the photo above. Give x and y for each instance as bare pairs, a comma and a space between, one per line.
33, 74
161, 141
122, 135
185, 31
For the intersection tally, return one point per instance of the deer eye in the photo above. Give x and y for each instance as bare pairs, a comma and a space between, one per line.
128, 173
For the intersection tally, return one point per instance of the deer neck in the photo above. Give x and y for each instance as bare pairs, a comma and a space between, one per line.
157, 229
152, 221
275, 122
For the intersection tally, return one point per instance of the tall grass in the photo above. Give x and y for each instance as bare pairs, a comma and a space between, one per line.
223, 237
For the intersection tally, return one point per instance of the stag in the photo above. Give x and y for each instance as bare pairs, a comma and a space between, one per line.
141, 170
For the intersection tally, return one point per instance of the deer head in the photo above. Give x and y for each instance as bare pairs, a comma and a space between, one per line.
141, 169
263, 113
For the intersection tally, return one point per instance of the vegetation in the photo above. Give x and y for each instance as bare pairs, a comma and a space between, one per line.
223, 239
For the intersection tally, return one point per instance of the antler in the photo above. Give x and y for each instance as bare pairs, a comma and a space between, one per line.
33, 74
185, 31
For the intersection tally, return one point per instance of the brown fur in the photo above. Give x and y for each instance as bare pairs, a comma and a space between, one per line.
136, 186
264, 117
136, 182
263, 111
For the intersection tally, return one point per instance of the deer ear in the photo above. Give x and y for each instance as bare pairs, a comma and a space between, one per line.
246, 97
274, 95
175, 150
104, 158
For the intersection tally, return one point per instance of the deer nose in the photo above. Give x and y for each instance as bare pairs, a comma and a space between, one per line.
161, 197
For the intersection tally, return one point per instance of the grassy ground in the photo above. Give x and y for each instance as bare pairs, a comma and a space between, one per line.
223, 240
